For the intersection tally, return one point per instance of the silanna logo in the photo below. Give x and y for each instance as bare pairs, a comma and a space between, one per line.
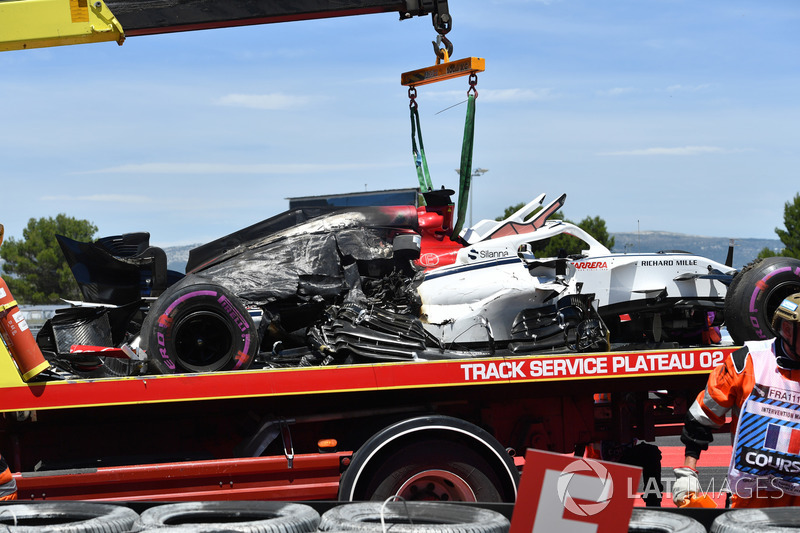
591, 265
473, 254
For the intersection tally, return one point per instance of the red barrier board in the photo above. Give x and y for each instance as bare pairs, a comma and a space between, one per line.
564, 493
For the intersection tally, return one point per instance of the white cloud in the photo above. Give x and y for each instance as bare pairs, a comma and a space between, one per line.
497, 95
683, 150
688, 88
516, 95
226, 168
616, 91
105, 198
271, 102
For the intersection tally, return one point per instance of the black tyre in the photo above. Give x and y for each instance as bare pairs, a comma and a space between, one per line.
647, 521
66, 517
416, 517
770, 520
249, 516
755, 294
198, 327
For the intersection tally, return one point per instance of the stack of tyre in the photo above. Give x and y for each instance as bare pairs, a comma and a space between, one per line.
249, 517
365, 517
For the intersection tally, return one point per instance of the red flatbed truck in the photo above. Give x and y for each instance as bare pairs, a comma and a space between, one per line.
454, 429
427, 430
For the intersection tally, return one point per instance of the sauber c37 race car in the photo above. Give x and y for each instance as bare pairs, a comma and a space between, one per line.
320, 286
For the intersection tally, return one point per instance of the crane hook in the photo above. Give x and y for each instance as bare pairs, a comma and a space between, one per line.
442, 53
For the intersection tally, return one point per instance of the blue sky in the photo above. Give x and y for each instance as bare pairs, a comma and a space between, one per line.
663, 115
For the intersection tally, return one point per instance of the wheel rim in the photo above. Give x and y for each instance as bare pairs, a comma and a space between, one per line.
436, 485
203, 341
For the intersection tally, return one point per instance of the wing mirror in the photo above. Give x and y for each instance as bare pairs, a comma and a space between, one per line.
525, 253
558, 264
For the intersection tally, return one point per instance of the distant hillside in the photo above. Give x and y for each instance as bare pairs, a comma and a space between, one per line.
716, 248
178, 256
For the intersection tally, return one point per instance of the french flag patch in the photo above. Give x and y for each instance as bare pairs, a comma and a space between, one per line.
782, 439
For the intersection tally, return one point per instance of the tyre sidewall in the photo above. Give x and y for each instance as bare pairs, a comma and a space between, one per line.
250, 516
648, 521
407, 517
187, 300
768, 520
72, 517
754, 297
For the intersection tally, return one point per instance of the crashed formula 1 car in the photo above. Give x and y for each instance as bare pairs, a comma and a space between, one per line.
320, 285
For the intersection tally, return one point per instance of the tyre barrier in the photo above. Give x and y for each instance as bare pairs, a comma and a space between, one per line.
66, 517
413, 517
229, 516
648, 521
772, 520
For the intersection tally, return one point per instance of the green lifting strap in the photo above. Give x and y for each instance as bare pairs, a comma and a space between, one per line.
423, 175
465, 181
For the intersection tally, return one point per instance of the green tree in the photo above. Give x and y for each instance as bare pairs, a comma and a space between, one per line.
790, 237
594, 226
36, 271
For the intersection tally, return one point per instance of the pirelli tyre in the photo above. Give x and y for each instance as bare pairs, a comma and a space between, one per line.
416, 517
770, 520
754, 295
231, 516
648, 521
196, 326
66, 517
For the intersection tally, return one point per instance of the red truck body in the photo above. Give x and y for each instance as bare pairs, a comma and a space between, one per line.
267, 434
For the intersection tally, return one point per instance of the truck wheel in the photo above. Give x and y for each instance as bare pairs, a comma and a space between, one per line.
198, 327
67, 517
408, 517
249, 516
772, 520
435, 470
755, 294
647, 521
436, 458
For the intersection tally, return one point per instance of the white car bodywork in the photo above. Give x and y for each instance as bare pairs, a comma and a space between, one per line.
497, 275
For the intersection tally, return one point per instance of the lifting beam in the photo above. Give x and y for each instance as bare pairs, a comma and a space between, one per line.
443, 71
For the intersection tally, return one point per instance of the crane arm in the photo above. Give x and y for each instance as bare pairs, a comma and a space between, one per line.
145, 17
40, 23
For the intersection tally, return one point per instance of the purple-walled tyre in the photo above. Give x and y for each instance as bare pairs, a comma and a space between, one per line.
198, 327
755, 294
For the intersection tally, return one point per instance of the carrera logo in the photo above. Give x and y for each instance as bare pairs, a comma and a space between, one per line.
591, 265
429, 260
